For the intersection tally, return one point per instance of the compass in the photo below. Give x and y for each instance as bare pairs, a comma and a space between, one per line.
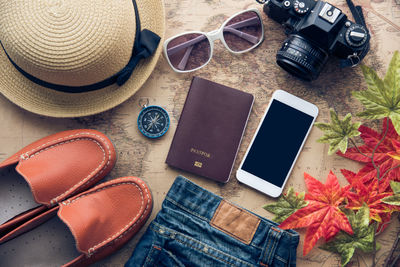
153, 121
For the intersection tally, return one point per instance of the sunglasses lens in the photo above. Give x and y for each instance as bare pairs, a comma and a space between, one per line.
189, 51
243, 31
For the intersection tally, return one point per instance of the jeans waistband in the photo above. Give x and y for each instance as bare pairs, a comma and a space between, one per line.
203, 204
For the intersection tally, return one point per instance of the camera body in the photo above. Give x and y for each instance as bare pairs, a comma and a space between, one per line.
315, 30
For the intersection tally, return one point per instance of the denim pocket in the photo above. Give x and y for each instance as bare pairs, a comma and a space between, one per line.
190, 251
160, 257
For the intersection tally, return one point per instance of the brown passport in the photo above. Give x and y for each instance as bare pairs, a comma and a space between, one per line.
210, 129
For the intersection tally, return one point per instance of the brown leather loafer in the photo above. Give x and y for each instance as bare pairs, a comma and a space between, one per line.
101, 220
55, 168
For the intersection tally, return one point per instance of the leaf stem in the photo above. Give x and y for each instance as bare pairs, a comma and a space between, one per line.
378, 177
362, 258
391, 169
382, 226
358, 150
376, 147
395, 261
374, 246
284, 197
394, 246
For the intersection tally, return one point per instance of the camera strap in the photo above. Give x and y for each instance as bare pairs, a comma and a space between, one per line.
357, 13
356, 58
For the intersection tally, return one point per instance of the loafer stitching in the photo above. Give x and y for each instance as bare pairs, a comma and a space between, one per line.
123, 231
126, 229
88, 178
59, 141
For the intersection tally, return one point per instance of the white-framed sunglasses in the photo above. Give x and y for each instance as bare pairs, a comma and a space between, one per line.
193, 50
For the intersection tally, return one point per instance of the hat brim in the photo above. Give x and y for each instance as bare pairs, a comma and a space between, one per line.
48, 102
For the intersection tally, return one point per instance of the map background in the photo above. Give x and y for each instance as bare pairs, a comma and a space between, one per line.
255, 72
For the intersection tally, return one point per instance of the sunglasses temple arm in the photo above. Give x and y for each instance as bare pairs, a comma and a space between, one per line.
246, 36
179, 47
231, 28
185, 58
245, 23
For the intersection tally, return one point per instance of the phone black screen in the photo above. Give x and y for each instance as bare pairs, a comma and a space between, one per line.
277, 143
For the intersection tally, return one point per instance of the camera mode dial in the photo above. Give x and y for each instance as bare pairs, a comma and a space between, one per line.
356, 35
301, 7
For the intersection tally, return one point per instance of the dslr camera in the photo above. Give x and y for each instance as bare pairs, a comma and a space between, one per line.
316, 29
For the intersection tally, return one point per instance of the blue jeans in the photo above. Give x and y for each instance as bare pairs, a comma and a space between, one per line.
198, 228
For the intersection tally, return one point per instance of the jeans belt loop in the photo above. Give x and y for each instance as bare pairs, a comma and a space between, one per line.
270, 246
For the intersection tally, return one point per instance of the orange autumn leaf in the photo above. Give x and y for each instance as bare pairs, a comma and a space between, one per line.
386, 156
322, 216
365, 177
369, 194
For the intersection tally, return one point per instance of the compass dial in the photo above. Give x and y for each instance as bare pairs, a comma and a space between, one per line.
153, 121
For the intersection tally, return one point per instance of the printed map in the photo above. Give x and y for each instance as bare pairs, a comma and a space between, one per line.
255, 72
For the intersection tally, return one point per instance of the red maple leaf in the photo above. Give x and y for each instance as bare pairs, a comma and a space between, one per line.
386, 156
365, 190
365, 176
369, 194
386, 219
322, 216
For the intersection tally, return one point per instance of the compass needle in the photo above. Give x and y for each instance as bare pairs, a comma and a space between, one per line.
153, 121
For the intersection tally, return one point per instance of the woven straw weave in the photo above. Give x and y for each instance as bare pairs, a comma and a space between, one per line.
73, 42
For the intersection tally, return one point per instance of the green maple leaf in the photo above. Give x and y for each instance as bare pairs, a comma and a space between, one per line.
395, 199
338, 132
382, 98
363, 237
286, 205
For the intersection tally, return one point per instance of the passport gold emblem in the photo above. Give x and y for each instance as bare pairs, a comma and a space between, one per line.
198, 164
200, 152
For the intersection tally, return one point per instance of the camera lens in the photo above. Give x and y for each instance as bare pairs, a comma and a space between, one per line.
301, 58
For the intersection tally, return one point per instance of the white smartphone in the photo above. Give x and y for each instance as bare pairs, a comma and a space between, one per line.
277, 143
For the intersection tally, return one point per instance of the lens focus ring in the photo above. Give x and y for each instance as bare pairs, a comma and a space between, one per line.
301, 58
306, 46
296, 58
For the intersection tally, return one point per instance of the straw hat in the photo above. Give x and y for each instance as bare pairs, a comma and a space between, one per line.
73, 43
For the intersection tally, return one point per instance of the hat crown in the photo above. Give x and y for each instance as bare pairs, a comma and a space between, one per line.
73, 43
